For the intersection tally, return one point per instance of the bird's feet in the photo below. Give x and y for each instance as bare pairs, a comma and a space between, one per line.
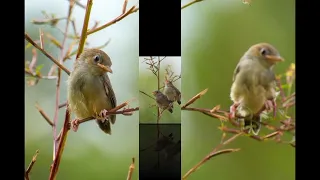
75, 125
233, 109
102, 116
271, 105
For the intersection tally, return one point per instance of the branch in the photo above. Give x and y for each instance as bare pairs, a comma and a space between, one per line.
214, 153
190, 3
127, 112
78, 3
39, 76
44, 115
131, 168
192, 100
130, 11
147, 95
34, 159
84, 28
56, 162
56, 113
27, 37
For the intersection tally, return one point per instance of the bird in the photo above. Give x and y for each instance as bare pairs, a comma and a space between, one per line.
254, 85
89, 90
172, 93
162, 101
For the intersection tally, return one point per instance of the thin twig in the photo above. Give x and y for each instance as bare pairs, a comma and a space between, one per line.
84, 28
62, 105
213, 153
78, 3
206, 112
192, 100
63, 138
127, 112
33, 61
147, 95
34, 159
27, 37
41, 39
130, 11
44, 115
131, 168
56, 111
208, 157
190, 3
39, 76
124, 7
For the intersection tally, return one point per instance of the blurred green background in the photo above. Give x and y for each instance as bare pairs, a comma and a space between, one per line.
215, 34
89, 153
148, 83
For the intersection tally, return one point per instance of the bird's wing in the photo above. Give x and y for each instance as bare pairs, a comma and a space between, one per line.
269, 84
110, 95
177, 90
236, 71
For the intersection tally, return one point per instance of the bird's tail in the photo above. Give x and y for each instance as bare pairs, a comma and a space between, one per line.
170, 107
105, 126
254, 124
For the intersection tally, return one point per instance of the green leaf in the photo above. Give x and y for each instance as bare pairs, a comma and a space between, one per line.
28, 46
285, 86
38, 68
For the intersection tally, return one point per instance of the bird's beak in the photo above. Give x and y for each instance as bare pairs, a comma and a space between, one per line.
274, 59
154, 92
105, 68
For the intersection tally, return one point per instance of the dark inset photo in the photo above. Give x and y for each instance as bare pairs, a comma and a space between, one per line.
159, 151
160, 89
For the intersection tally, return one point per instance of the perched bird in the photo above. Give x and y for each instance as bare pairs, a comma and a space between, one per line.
90, 93
172, 93
254, 84
162, 101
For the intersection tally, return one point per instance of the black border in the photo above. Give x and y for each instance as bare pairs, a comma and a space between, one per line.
159, 28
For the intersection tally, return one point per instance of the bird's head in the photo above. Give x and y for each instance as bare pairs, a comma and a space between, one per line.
265, 53
97, 61
155, 93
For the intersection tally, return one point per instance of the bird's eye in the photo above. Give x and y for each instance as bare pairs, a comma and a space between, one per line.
263, 52
96, 58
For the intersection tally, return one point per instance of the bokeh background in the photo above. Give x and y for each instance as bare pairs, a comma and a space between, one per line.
148, 83
215, 34
89, 153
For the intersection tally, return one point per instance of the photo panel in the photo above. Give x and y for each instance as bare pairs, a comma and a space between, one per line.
159, 89
159, 151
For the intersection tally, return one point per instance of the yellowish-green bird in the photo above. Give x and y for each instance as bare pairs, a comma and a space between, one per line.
254, 84
90, 93
172, 93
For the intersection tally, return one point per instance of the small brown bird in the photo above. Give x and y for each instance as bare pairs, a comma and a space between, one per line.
172, 93
90, 93
162, 101
254, 84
